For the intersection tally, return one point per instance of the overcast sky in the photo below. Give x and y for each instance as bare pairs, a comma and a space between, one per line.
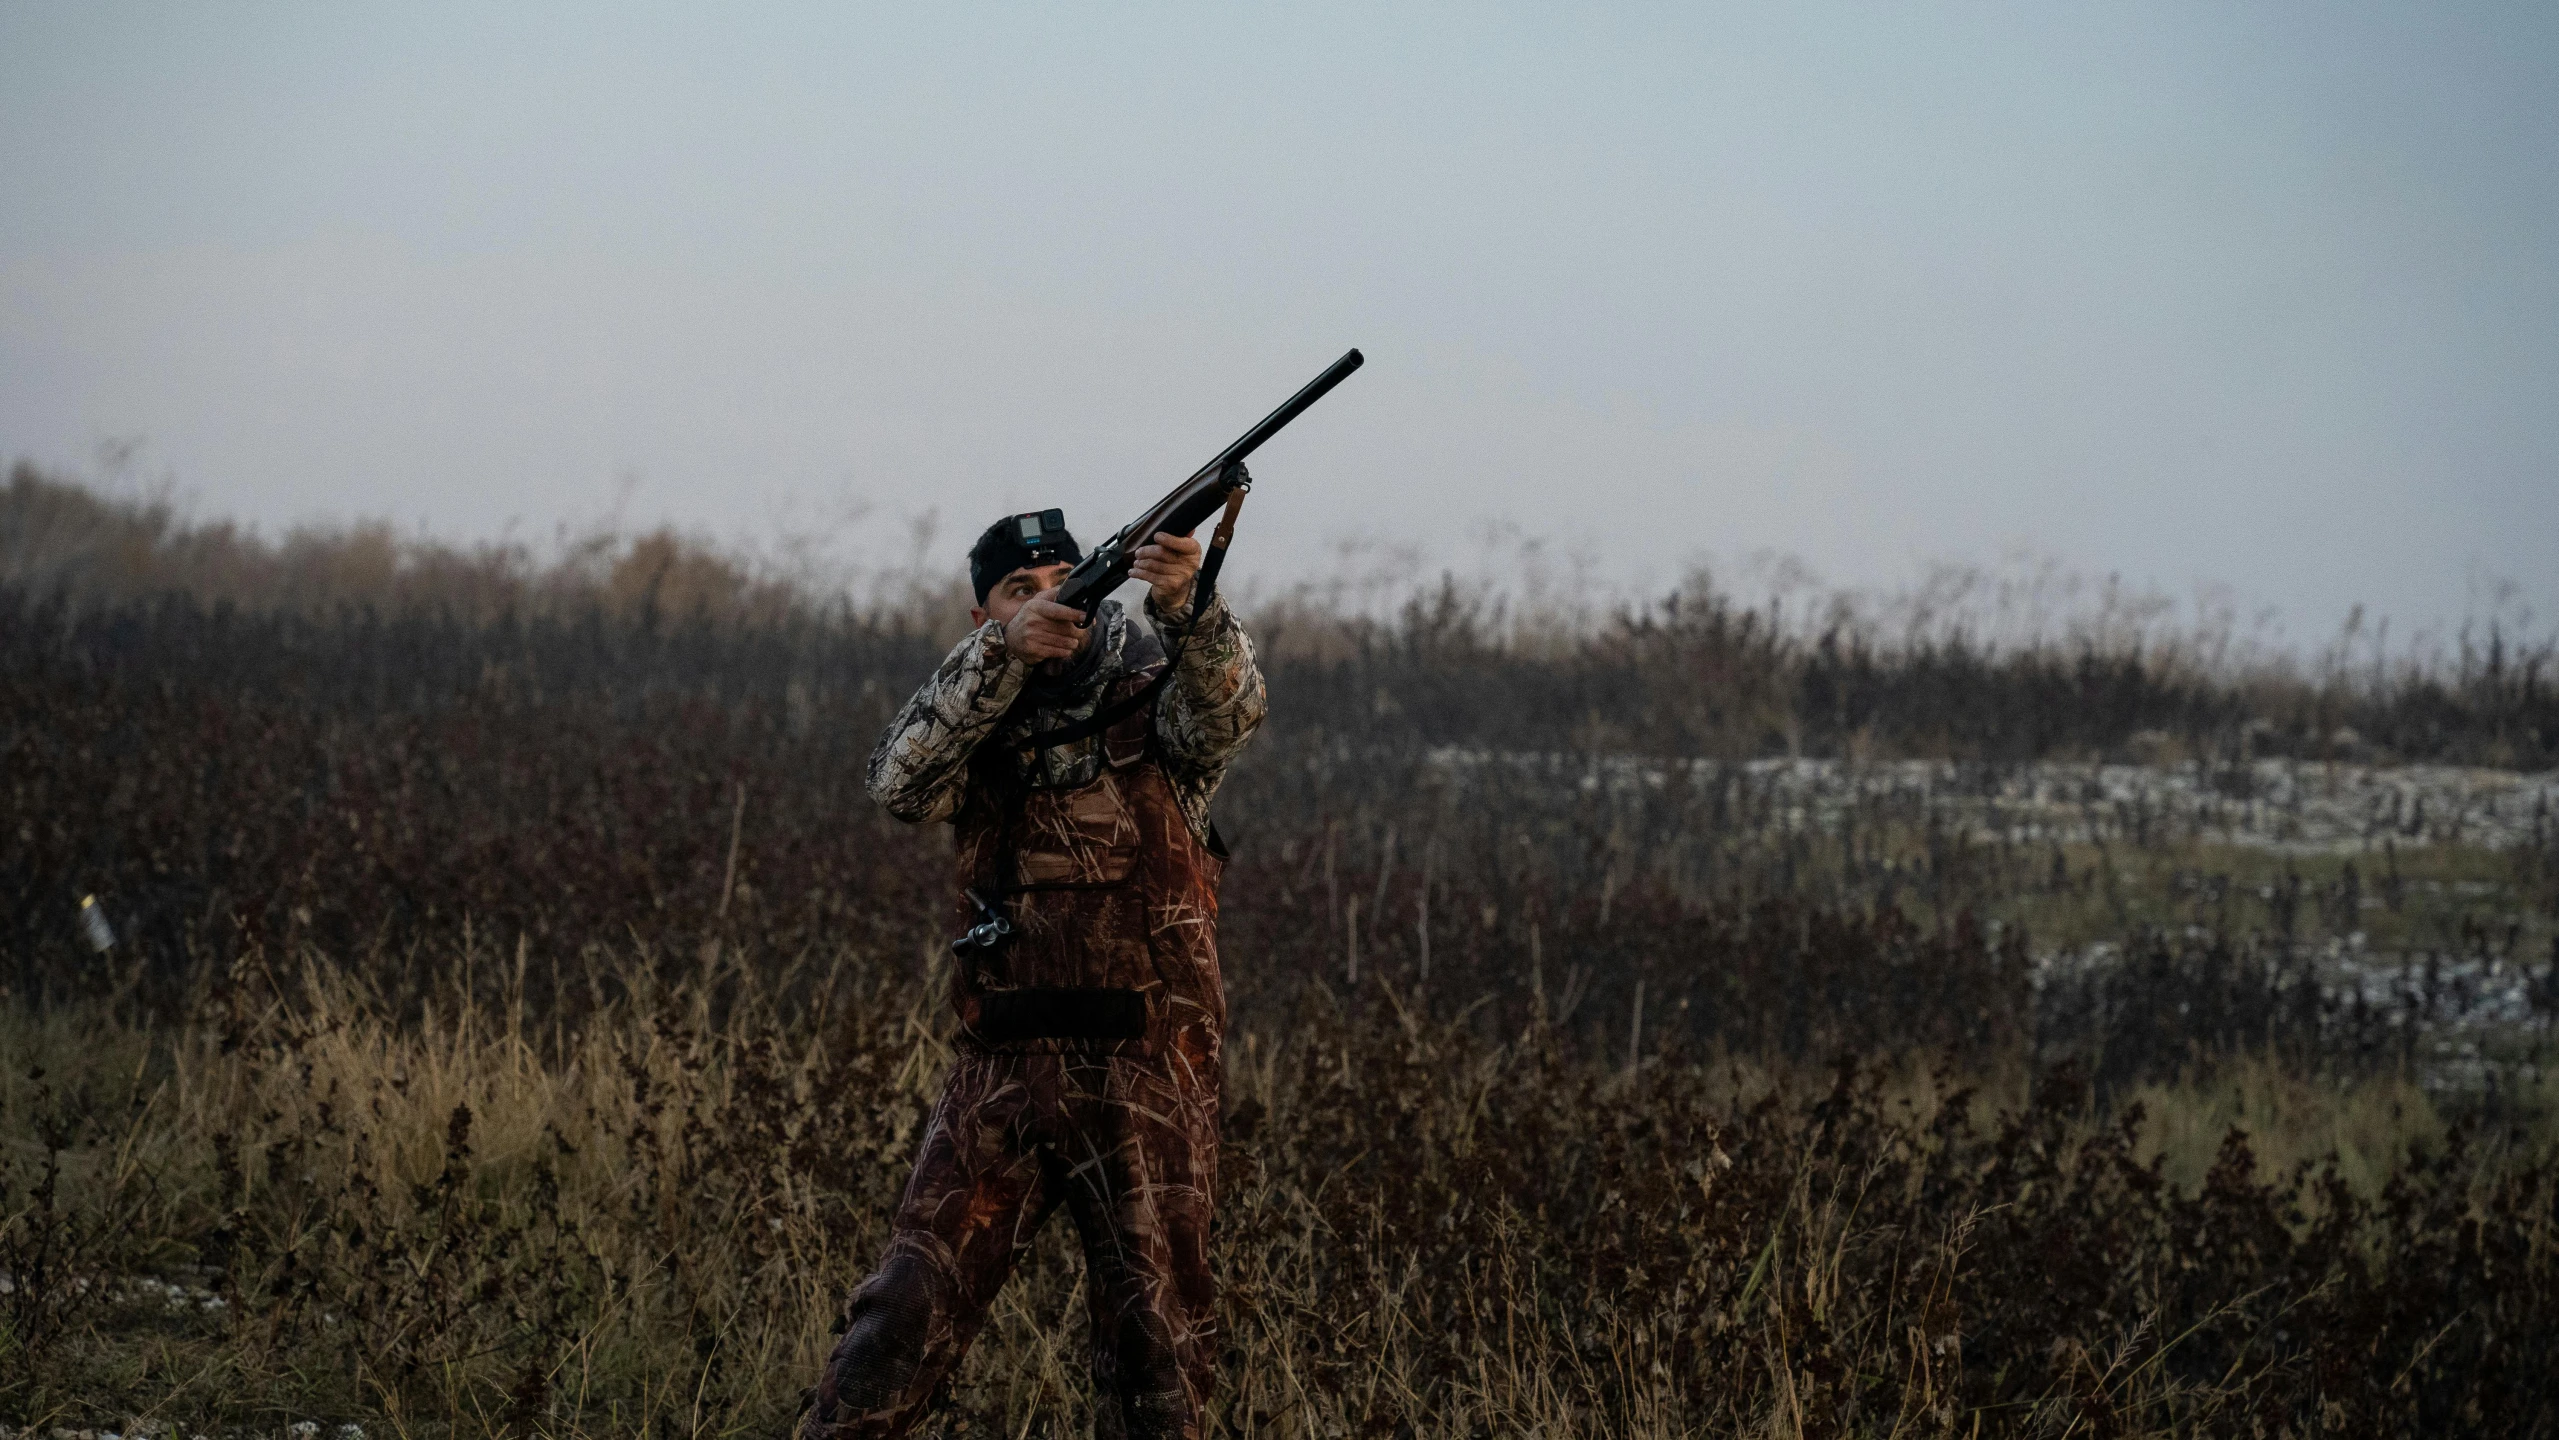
2259, 296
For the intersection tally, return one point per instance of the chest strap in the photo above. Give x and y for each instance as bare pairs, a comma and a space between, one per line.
1102, 719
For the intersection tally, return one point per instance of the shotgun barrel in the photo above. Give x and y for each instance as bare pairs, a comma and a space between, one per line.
1192, 501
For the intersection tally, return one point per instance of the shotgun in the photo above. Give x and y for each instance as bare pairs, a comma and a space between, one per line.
1221, 481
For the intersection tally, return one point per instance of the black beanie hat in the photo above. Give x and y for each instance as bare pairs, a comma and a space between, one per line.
1020, 542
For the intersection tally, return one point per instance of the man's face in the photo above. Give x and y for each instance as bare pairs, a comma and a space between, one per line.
1005, 600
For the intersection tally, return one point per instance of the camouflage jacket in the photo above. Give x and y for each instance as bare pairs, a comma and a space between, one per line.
981, 694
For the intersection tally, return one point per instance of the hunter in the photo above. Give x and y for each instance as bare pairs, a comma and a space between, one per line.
1089, 999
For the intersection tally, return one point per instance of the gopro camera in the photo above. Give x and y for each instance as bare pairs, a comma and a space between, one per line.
1042, 532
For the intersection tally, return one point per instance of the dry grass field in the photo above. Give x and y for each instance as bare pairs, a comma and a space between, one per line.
518, 1021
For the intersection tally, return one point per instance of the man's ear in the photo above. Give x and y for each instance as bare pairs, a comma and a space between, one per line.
977, 616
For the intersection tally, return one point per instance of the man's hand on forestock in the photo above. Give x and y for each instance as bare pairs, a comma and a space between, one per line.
1043, 629
1168, 566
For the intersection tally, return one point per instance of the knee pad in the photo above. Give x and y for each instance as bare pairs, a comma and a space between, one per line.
888, 1324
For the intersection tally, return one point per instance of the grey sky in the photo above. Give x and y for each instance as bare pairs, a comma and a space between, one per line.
2263, 296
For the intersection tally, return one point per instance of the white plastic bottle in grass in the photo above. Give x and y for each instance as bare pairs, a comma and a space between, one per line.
93, 923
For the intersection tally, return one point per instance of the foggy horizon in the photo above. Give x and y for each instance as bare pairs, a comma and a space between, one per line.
2257, 306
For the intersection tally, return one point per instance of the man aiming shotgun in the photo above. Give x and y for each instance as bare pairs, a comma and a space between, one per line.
1077, 752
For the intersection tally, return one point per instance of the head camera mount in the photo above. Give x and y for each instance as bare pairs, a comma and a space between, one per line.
1043, 534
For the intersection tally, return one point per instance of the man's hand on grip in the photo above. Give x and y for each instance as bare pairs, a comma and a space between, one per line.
1043, 629
1168, 565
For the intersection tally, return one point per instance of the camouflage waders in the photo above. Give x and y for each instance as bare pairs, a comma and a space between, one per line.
1088, 1077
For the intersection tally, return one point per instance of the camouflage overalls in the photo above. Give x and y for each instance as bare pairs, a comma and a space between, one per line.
1088, 1062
